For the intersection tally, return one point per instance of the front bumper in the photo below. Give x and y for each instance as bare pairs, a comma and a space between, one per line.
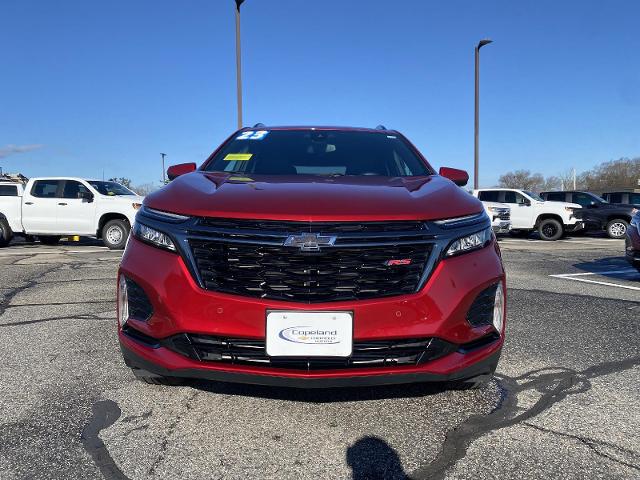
438, 310
575, 227
501, 226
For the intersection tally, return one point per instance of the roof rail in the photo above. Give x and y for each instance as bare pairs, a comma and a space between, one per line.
259, 125
381, 127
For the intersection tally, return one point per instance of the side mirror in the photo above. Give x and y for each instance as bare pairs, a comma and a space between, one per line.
180, 169
459, 177
88, 196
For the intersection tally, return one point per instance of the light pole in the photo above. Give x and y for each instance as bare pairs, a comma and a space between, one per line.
476, 153
164, 173
238, 63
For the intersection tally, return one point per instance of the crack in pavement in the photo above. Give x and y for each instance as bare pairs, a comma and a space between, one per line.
554, 383
593, 444
165, 442
104, 414
82, 316
29, 283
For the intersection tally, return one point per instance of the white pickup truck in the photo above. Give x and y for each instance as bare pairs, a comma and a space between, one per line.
530, 213
55, 206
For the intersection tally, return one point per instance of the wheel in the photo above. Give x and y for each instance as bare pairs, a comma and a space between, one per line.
550, 229
49, 239
519, 233
115, 233
5, 233
617, 228
151, 379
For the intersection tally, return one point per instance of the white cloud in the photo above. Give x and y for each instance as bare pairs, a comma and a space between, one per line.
13, 149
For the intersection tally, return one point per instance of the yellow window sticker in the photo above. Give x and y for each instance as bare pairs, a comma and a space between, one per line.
238, 156
241, 179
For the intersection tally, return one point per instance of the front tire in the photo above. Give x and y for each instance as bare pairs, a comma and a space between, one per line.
550, 229
617, 228
5, 233
115, 233
49, 239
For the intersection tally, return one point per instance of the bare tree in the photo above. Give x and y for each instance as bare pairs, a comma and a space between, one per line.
122, 181
523, 179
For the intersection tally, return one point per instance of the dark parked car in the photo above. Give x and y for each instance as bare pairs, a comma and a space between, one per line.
632, 242
597, 214
628, 198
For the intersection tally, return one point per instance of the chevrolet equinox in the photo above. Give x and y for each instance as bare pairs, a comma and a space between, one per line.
312, 257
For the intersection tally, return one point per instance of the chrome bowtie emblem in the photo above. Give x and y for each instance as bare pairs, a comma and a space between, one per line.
309, 242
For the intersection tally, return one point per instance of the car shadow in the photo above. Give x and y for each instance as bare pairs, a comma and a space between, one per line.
611, 267
320, 395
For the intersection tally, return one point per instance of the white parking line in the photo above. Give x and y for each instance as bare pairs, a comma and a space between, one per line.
28, 252
572, 276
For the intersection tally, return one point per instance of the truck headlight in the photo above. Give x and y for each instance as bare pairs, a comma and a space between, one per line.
153, 236
469, 243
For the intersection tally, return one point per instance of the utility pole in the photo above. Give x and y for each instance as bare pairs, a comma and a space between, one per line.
238, 63
164, 172
476, 153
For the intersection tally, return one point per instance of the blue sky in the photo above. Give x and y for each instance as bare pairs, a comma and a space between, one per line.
93, 86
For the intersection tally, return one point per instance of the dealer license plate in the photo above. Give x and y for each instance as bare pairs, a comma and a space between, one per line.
309, 334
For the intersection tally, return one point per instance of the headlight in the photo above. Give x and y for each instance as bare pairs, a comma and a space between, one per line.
153, 236
469, 242
498, 309
136, 206
123, 301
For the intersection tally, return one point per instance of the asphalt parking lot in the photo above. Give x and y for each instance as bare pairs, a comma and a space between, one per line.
564, 403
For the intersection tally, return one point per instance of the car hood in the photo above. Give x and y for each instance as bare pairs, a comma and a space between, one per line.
314, 198
559, 205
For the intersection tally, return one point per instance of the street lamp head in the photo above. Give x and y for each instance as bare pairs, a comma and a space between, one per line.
483, 42
238, 3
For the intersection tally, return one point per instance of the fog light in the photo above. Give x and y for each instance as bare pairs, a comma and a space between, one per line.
123, 301
498, 309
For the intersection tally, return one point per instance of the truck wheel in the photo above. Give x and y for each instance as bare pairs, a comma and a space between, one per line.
5, 233
550, 229
617, 228
49, 239
115, 233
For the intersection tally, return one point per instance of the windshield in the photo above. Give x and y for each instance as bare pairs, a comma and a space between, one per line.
318, 152
111, 188
535, 196
600, 199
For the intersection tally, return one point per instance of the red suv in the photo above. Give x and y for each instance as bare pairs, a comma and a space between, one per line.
312, 257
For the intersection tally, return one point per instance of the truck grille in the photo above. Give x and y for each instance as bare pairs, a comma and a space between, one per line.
382, 353
250, 259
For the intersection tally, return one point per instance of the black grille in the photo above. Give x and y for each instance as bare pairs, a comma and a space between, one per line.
505, 215
239, 225
139, 305
286, 273
384, 353
481, 310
